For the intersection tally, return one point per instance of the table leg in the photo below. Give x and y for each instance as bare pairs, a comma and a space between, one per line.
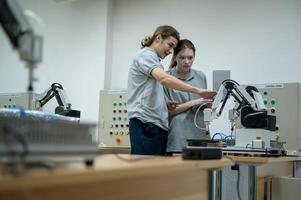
215, 184
294, 169
252, 182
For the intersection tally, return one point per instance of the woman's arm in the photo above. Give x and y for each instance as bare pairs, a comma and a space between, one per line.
181, 107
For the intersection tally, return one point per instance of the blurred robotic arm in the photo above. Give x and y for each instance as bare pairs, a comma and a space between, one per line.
64, 106
21, 35
249, 107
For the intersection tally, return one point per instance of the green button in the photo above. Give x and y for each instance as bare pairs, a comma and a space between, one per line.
273, 101
124, 103
114, 103
114, 118
265, 101
120, 104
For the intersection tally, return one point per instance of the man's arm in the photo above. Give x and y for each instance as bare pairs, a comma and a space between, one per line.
172, 82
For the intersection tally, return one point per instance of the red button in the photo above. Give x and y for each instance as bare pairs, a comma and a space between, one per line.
118, 140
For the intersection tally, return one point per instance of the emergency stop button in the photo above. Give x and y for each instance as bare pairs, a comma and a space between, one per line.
118, 140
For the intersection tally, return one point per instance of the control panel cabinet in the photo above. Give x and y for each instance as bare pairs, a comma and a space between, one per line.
113, 124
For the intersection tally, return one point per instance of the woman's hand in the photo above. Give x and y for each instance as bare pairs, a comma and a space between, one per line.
172, 105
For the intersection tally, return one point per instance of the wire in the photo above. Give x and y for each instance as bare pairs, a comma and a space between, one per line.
196, 114
228, 136
220, 134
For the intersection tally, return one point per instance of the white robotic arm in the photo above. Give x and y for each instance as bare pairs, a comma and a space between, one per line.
249, 106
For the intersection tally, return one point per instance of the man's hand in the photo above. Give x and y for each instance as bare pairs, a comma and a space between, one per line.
207, 94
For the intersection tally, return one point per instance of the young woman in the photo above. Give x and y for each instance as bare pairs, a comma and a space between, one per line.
181, 116
147, 108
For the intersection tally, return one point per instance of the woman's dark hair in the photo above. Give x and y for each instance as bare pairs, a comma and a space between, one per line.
183, 44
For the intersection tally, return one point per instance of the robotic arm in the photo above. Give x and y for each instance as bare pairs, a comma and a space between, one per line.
21, 35
29, 46
249, 107
56, 90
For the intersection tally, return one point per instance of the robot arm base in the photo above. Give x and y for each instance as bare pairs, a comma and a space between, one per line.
60, 110
251, 118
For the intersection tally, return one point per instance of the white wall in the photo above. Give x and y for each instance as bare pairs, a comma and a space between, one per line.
258, 40
74, 35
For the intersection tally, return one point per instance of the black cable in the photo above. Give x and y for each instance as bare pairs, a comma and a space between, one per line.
221, 135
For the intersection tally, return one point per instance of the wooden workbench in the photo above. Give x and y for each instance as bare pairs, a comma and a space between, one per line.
115, 177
